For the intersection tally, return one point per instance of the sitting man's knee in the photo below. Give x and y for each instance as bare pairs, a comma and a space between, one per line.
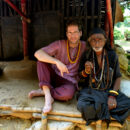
80, 105
68, 97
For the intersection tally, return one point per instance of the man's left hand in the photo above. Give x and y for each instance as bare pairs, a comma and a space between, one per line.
112, 103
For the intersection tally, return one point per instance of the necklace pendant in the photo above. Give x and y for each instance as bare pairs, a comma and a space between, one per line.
76, 55
93, 80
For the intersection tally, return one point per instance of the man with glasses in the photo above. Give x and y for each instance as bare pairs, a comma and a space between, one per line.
57, 67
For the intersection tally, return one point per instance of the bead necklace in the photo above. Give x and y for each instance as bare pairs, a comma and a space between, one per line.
100, 79
72, 62
102, 69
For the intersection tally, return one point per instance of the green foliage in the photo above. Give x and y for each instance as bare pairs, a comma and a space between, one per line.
128, 68
123, 9
122, 30
127, 22
124, 4
118, 35
119, 24
127, 34
128, 57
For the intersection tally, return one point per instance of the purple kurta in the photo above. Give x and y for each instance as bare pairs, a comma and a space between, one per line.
58, 49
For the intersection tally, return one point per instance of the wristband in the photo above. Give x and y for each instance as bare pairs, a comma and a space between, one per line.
114, 92
112, 97
84, 74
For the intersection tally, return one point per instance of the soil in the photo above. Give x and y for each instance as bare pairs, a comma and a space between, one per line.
16, 81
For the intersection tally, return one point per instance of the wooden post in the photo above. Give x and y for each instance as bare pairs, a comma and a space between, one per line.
44, 121
25, 30
99, 125
18, 11
109, 15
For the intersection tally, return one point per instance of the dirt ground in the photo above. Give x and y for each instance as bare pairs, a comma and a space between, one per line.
16, 81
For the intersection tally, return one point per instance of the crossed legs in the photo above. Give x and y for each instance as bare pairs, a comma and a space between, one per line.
64, 89
36, 93
48, 98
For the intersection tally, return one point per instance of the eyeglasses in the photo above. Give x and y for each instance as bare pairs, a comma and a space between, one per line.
95, 40
73, 33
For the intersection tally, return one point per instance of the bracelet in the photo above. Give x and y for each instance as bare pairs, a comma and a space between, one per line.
112, 97
84, 74
114, 92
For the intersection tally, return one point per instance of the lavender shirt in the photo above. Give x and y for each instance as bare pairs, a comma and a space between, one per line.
58, 49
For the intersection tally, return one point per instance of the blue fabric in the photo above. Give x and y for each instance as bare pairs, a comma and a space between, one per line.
93, 106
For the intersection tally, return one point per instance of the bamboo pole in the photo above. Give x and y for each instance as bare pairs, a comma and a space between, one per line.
107, 27
20, 109
5, 113
78, 120
74, 117
39, 110
25, 30
68, 119
26, 109
5, 107
112, 124
44, 121
65, 113
109, 15
17, 114
59, 118
99, 125
23, 16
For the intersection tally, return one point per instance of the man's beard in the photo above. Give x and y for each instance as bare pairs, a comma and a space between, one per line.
97, 49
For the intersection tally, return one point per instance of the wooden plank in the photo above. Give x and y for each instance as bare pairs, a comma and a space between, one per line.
73, 8
92, 15
44, 121
62, 19
53, 4
16, 114
85, 18
48, 5
67, 8
36, 109
56, 116
113, 3
99, 13
79, 8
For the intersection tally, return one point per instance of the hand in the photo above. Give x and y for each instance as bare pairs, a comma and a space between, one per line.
112, 103
62, 67
88, 67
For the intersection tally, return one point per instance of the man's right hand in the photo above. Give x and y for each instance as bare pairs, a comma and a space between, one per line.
44, 57
88, 67
62, 67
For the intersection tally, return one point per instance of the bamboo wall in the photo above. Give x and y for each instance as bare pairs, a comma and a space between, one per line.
48, 19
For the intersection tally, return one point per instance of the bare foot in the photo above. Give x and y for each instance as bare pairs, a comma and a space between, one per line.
35, 93
48, 104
